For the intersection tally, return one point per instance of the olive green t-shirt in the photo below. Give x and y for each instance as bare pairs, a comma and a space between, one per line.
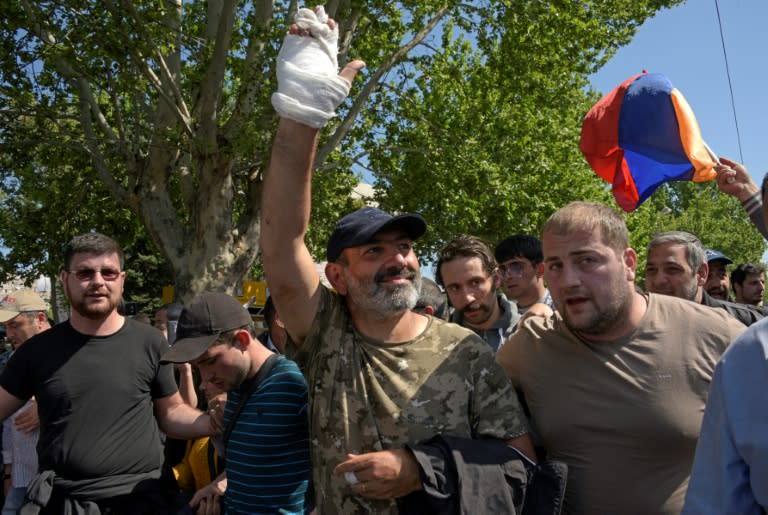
367, 396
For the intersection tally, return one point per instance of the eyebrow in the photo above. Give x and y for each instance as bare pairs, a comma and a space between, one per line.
571, 254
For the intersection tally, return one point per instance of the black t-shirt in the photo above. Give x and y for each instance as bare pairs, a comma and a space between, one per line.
94, 396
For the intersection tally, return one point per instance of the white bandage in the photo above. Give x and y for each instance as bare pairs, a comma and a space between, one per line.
309, 88
351, 478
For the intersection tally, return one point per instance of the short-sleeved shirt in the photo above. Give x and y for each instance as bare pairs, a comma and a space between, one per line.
268, 463
368, 396
623, 415
95, 398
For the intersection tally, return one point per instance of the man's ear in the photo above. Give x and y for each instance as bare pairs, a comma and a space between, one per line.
630, 262
242, 339
701, 274
496, 276
539, 270
335, 276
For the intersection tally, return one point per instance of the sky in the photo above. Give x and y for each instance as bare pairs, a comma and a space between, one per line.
684, 44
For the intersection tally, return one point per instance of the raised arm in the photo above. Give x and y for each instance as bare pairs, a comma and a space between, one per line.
294, 283
734, 179
309, 90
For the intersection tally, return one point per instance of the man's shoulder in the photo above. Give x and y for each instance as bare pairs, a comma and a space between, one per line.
541, 332
510, 315
285, 365
57, 333
145, 333
690, 308
451, 332
753, 342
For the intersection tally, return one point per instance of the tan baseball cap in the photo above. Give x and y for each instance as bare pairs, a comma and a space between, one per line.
19, 302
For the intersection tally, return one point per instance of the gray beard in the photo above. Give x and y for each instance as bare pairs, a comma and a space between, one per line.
385, 300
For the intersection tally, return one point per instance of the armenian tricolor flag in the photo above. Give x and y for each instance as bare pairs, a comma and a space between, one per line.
642, 134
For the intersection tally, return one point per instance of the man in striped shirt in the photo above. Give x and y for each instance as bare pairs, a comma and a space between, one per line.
266, 431
23, 314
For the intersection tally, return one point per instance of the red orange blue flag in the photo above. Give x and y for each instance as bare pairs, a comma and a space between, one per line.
642, 134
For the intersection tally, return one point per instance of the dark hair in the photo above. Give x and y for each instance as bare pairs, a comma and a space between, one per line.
468, 247
740, 273
520, 245
92, 243
431, 295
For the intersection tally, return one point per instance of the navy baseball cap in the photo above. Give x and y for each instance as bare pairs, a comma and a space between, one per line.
358, 227
201, 322
715, 255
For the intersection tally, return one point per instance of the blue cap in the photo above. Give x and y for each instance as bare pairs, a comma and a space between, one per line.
715, 255
358, 227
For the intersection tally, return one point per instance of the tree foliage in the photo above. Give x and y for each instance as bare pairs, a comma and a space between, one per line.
468, 113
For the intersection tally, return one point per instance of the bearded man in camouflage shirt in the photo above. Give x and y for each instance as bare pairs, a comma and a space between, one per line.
380, 376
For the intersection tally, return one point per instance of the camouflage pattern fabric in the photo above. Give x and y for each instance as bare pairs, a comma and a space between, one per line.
367, 396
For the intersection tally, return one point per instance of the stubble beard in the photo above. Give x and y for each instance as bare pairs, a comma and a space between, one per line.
605, 317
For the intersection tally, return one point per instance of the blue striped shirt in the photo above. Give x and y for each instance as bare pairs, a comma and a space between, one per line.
268, 463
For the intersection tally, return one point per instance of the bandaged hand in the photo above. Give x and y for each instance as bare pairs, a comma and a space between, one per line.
309, 87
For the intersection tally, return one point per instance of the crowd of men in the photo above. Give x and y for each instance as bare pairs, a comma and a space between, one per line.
539, 358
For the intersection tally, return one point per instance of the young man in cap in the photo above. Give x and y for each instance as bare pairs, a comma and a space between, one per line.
101, 394
267, 442
23, 314
380, 376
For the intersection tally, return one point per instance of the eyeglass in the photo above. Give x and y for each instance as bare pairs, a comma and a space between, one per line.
87, 274
516, 269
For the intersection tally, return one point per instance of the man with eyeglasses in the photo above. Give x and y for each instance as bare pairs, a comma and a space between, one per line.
101, 394
521, 267
23, 314
467, 270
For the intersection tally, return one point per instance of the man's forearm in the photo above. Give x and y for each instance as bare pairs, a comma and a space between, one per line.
288, 184
179, 420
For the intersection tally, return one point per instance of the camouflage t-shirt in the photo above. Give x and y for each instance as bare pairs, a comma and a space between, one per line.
367, 396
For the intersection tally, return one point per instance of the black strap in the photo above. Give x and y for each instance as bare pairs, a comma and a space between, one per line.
250, 388
213, 469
